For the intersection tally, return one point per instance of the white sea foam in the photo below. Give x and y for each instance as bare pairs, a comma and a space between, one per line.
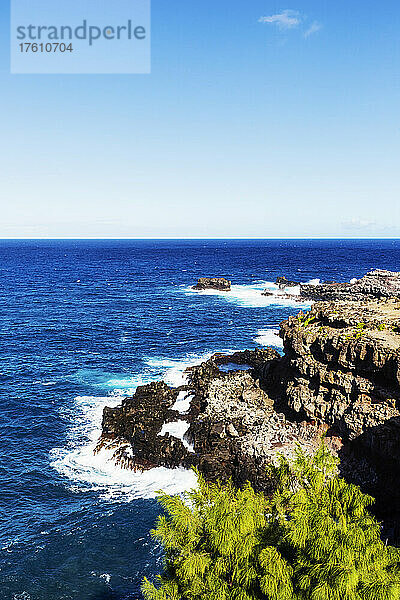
292, 290
182, 404
314, 282
354, 280
251, 295
177, 429
90, 471
99, 473
126, 386
269, 337
172, 371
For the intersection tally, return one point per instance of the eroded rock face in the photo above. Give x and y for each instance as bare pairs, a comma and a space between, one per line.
376, 284
213, 283
341, 368
340, 375
235, 425
133, 429
342, 364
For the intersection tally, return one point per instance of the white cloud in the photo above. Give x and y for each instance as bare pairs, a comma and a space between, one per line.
292, 19
286, 19
314, 27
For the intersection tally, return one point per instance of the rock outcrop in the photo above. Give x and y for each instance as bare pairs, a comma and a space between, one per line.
283, 283
213, 283
342, 364
339, 376
133, 429
235, 424
341, 367
376, 284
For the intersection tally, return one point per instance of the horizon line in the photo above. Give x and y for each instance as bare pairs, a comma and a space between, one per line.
95, 238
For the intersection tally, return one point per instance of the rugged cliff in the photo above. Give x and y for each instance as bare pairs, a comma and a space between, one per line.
341, 367
226, 420
342, 364
339, 376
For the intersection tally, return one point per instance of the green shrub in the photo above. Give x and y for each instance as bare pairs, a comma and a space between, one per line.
306, 319
314, 539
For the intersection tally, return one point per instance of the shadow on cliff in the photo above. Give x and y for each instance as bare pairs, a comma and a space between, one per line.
372, 461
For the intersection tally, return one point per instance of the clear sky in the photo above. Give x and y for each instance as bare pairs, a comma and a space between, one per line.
260, 119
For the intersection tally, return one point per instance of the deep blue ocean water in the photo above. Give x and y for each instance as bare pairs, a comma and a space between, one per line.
84, 322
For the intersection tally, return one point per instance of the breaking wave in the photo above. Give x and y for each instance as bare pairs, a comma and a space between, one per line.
251, 295
89, 471
269, 337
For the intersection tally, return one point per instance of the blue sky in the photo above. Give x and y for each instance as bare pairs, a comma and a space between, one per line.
259, 120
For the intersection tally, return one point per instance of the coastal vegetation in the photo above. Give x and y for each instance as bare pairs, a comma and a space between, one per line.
312, 538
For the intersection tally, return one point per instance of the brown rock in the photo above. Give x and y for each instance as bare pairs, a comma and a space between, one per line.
213, 283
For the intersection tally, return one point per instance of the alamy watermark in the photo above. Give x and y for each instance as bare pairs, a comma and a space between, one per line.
53, 36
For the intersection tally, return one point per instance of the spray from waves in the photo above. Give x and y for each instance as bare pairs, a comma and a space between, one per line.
90, 471
178, 429
172, 371
269, 337
251, 295
182, 404
314, 282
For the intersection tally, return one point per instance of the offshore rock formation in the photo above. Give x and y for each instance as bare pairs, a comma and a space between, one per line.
213, 283
375, 285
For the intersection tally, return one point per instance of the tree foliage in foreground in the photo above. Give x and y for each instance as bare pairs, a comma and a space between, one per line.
314, 539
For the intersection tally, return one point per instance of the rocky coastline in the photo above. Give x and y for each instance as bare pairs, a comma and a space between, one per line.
375, 285
339, 376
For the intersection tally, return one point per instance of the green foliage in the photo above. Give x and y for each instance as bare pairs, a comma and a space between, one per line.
314, 539
359, 331
386, 326
305, 319
323, 332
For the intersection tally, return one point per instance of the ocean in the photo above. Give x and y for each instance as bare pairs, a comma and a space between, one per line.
83, 323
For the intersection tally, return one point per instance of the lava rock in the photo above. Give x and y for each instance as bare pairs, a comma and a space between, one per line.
213, 283
283, 283
376, 284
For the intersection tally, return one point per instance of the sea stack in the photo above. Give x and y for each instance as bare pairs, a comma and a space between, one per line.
213, 283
